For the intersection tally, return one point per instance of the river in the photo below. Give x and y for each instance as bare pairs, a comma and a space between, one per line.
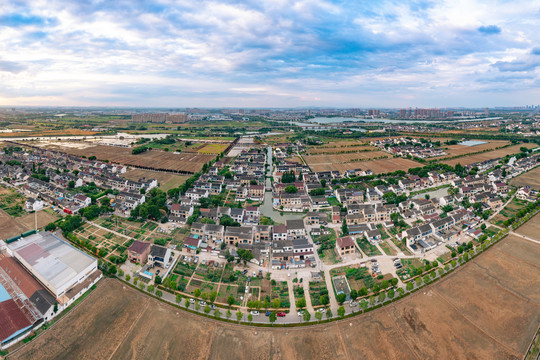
337, 120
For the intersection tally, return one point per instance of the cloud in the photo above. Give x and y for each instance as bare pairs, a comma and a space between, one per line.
489, 30
267, 52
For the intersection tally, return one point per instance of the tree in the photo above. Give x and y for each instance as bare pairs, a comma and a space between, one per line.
329, 313
178, 298
113, 270
341, 311
384, 284
344, 228
55, 308
207, 309
364, 304
394, 281
391, 293
159, 293
230, 300
324, 299
239, 315
382, 296
228, 314
318, 315
301, 303
291, 189
276, 303
245, 255
272, 317
250, 317
204, 296
71, 184
307, 316
410, 286
217, 313
341, 298
213, 296
197, 293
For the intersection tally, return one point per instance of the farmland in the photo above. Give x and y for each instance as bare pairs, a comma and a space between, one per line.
212, 149
530, 178
376, 161
166, 180
456, 150
494, 317
531, 229
154, 159
488, 155
11, 226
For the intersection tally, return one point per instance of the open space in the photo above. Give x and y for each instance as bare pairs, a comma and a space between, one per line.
488, 155
119, 322
530, 178
165, 180
365, 161
153, 159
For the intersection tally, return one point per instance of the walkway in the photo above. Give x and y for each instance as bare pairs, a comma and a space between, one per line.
309, 306
291, 297
524, 237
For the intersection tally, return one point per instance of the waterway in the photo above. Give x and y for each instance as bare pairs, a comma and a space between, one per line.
266, 208
337, 120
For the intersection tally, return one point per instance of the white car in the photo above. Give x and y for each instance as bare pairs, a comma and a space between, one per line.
192, 301
353, 304
202, 303
321, 310
254, 312
301, 313
247, 289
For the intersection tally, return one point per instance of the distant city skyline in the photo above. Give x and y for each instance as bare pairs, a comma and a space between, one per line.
270, 53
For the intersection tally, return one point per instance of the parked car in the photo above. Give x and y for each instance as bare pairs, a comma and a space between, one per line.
244, 272
202, 303
192, 301
301, 313
254, 312
321, 310
213, 307
268, 312
281, 314
353, 304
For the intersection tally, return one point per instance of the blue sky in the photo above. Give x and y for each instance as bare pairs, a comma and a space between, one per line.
270, 53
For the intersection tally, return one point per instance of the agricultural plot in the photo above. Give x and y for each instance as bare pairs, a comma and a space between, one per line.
358, 277
378, 166
152, 159
341, 148
456, 150
530, 178
316, 290
212, 149
367, 248
508, 211
387, 248
488, 155
12, 226
410, 268
104, 243
531, 229
12, 202
166, 180
495, 293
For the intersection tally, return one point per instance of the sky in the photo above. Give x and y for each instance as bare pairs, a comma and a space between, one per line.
270, 53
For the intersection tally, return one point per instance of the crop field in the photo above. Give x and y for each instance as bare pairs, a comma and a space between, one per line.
11, 226
64, 132
531, 229
530, 178
166, 180
212, 149
509, 211
466, 160
12, 202
495, 316
341, 146
455, 150
154, 159
377, 166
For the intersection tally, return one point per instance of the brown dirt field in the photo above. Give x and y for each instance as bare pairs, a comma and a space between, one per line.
343, 158
466, 160
166, 180
48, 133
531, 228
154, 159
10, 226
377, 166
488, 309
454, 150
531, 178
334, 150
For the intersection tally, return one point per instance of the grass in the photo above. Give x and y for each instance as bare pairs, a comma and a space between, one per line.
333, 201
389, 250
316, 290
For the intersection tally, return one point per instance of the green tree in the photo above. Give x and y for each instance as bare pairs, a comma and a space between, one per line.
239, 315
228, 314
306, 315
324, 299
329, 313
391, 293
207, 309
385, 284
186, 303
382, 296
230, 300
217, 313
272, 317
344, 228
213, 296
301, 303
276, 303
291, 189
341, 298
197, 293
364, 304
178, 298
250, 317
341, 311
409, 286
